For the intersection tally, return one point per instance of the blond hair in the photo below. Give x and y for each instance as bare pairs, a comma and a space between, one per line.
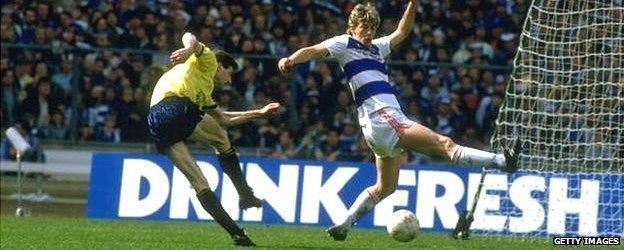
363, 13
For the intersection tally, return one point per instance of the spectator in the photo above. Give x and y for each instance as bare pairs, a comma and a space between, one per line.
24, 74
247, 84
85, 133
433, 92
469, 96
311, 139
124, 107
348, 141
488, 111
447, 121
239, 137
10, 97
109, 132
137, 130
40, 103
286, 148
97, 109
329, 149
9, 32
57, 128
414, 113
26, 30
62, 79
268, 134
277, 46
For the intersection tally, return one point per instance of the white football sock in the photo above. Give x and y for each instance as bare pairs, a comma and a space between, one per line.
473, 157
364, 203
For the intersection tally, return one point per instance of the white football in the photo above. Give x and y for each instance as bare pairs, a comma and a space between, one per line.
403, 225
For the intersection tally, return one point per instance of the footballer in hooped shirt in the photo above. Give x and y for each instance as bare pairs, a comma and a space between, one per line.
386, 129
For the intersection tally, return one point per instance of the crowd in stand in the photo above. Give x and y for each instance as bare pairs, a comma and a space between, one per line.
104, 94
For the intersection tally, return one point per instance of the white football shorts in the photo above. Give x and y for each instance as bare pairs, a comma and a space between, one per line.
382, 129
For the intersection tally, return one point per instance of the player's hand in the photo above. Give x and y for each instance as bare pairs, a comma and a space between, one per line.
270, 110
181, 55
284, 65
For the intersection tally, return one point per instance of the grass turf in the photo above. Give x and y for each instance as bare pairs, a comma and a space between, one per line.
79, 233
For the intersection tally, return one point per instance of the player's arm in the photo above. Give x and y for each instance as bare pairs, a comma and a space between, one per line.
302, 55
228, 118
405, 25
191, 45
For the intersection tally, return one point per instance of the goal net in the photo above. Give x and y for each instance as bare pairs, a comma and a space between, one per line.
565, 103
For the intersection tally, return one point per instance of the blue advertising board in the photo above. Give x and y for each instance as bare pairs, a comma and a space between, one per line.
147, 186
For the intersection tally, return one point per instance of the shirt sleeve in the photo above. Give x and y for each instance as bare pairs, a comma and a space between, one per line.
206, 62
383, 43
336, 45
207, 59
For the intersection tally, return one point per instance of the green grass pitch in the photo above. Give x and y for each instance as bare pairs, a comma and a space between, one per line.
79, 233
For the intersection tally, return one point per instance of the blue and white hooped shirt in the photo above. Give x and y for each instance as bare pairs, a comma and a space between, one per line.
365, 70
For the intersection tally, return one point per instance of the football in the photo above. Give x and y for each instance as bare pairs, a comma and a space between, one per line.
403, 225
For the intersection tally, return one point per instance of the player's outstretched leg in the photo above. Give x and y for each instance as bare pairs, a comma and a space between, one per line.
231, 166
387, 179
422, 139
182, 159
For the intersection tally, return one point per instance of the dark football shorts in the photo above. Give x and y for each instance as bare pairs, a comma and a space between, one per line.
171, 120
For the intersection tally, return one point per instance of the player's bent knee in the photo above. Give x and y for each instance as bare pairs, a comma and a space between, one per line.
223, 146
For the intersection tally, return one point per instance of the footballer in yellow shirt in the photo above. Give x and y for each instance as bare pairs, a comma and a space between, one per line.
182, 108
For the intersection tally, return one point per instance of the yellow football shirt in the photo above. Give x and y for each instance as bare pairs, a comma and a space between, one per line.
192, 79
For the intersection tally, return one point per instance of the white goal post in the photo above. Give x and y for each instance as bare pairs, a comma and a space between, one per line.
565, 103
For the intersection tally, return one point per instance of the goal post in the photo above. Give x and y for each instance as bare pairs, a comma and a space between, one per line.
565, 103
